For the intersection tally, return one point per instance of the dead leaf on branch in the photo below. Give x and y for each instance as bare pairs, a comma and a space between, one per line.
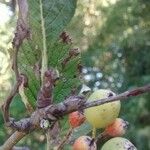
22, 28
72, 53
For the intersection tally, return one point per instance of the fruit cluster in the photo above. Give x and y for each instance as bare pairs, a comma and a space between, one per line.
103, 116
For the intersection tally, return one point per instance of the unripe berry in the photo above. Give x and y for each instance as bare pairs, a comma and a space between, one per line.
84, 143
117, 128
103, 115
118, 143
76, 119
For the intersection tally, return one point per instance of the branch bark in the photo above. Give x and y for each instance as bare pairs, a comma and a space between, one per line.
122, 96
12, 140
5, 106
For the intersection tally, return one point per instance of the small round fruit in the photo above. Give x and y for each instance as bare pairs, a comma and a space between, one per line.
84, 143
117, 128
103, 115
76, 119
118, 143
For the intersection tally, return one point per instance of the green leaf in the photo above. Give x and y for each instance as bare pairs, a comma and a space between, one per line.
84, 129
47, 19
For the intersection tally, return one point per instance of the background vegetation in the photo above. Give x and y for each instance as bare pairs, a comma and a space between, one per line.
114, 39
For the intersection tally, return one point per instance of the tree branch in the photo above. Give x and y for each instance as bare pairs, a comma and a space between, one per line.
56, 111
15, 65
122, 96
22, 32
73, 103
5, 106
12, 140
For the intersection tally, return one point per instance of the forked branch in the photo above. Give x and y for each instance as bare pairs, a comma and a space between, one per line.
56, 111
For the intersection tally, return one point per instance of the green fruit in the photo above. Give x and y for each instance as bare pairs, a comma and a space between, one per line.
118, 143
103, 115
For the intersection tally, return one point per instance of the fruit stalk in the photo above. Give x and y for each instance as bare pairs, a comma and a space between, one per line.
63, 142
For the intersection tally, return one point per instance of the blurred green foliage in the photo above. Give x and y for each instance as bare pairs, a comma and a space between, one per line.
114, 38
117, 56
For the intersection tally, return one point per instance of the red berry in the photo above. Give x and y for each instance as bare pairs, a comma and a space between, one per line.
76, 119
117, 128
84, 143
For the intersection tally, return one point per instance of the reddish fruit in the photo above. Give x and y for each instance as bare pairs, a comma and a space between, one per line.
84, 143
117, 128
76, 119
